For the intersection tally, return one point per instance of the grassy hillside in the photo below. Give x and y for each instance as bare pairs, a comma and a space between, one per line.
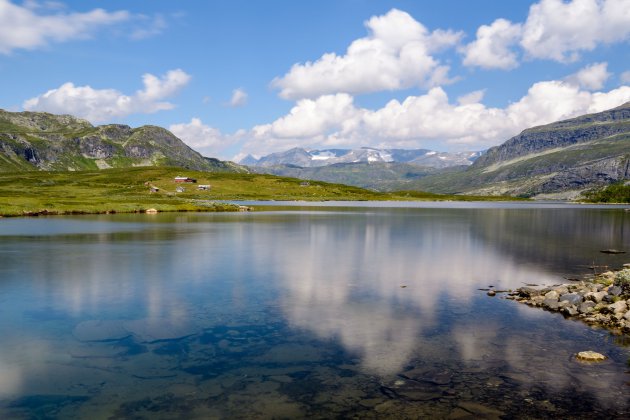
129, 190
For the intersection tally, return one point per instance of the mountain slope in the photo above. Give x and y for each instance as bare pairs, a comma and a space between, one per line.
380, 176
567, 156
42, 141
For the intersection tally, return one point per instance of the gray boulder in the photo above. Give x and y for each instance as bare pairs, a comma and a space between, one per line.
586, 307
573, 298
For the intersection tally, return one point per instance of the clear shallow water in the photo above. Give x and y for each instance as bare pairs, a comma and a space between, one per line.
286, 314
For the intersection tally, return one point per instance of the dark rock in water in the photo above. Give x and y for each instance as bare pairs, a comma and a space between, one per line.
612, 251
413, 391
433, 376
573, 298
586, 307
614, 290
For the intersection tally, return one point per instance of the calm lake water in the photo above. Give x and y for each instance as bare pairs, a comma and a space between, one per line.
371, 311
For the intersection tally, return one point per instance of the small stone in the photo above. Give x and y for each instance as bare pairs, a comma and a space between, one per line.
595, 296
627, 316
618, 307
586, 307
573, 298
614, 290
590, 356
552, 295
491, 293
626, 265
563, 304
551, 304
528, 292
151, 211
570, 311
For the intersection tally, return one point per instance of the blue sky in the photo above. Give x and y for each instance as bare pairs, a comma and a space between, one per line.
237, 77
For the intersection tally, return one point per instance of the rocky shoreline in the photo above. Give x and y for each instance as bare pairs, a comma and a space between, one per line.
602, 300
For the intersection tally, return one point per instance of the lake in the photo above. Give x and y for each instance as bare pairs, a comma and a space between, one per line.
333, 310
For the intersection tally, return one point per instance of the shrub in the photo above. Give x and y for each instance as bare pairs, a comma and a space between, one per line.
622, 279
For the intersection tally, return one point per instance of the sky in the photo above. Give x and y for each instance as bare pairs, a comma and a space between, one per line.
236, 77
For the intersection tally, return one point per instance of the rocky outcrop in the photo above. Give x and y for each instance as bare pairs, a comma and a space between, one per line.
604, 300
560, 134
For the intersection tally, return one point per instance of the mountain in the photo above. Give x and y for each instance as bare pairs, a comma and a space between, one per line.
317, 158
561, 159
377, 169
42, 141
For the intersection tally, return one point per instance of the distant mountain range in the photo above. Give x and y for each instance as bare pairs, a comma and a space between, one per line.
42, 141
303, 158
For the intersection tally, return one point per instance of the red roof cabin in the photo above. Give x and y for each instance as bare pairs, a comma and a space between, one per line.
185, 179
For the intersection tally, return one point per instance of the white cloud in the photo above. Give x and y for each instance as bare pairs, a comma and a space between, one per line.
591, 77
239, 98
554, 30
207, 140
98, 105
560, 30
396, 54
22, 27
334, 120
151, 27
472, 97
625, 77
492, 48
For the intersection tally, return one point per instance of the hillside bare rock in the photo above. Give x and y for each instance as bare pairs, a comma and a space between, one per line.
574, 155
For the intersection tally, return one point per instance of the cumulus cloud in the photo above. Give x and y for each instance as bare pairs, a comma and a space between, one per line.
207, 140
591, 77
554, 30
239, 98
396, 54
335, 121
492, 48
25, 27
98, 105
560, 30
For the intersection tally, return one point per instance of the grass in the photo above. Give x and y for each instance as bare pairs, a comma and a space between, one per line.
616, 193
128, 190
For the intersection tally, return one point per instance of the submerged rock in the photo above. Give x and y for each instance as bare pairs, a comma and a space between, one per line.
150, 330
100, 330
590, 356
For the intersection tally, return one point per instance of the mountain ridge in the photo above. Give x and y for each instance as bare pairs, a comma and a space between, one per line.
312, 158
